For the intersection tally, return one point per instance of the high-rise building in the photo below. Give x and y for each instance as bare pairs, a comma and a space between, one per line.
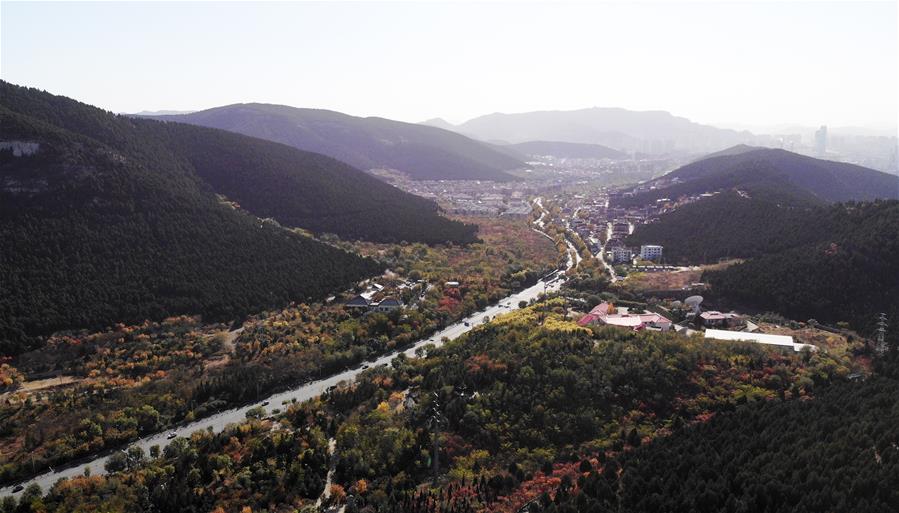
651, 252
621, 255
821, 140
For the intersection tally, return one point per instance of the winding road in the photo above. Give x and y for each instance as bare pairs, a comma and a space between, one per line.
303, 392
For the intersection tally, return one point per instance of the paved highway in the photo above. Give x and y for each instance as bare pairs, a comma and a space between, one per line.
301, 393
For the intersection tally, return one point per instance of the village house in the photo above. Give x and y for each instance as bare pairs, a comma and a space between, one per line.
387, 304
361, 303
715, 319
357, 303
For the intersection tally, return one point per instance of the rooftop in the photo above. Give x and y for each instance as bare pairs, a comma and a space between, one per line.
759, 338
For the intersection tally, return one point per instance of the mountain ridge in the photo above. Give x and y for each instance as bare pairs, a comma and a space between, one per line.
112, 219
773, 173
423, 152
624, 129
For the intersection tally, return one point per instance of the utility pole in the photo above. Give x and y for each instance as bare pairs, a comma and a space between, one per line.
881, 347
435, 421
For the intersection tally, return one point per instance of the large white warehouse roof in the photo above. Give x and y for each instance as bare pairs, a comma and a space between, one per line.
759, 338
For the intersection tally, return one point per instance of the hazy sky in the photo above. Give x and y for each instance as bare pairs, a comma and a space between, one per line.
752, 63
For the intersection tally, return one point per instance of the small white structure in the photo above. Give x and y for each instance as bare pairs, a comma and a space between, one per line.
650, 252
758, 338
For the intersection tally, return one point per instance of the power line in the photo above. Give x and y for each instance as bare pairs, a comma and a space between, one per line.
881, 347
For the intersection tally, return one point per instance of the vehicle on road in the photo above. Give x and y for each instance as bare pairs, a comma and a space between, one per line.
264, 403
466, 323
18, 489
171, 435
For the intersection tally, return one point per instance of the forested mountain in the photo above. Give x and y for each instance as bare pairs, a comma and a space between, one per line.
109, 219
649, 131
832, 263
296, 188
730, 225
772, 174
844, 268
423, 152
568, 150
837, 452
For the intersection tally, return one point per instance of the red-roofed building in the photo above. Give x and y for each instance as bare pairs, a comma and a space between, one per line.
601, 314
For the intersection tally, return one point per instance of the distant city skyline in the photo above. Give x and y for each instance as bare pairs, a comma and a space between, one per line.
721, 64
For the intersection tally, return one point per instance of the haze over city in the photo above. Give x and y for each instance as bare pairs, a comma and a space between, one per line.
757, 64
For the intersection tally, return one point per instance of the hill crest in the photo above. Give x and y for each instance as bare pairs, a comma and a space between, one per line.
422, 152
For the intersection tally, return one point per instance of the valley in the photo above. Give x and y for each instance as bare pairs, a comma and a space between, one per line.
239, 273
553, 265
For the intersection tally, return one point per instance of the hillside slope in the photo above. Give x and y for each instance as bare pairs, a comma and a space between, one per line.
111, 219
296, 188
774, 174
94, 235
832, 263
848, 271
836, 452
424, 152
728, 225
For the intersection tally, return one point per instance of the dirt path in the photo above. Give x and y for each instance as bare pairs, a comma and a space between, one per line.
230, 337
329, 480
42, 384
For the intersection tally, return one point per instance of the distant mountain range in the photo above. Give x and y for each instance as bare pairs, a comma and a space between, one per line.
773, 175
439, 123
625, 130
161, 112
790, 129
424, 153
109, 218
567, 150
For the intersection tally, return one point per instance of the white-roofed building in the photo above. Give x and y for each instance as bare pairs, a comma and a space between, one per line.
758, 338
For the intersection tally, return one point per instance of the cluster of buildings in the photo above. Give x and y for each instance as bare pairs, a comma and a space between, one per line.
716, 325
604, 228
632, 168
618, 253
487, 204
608, 314
470, 197
377, 298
